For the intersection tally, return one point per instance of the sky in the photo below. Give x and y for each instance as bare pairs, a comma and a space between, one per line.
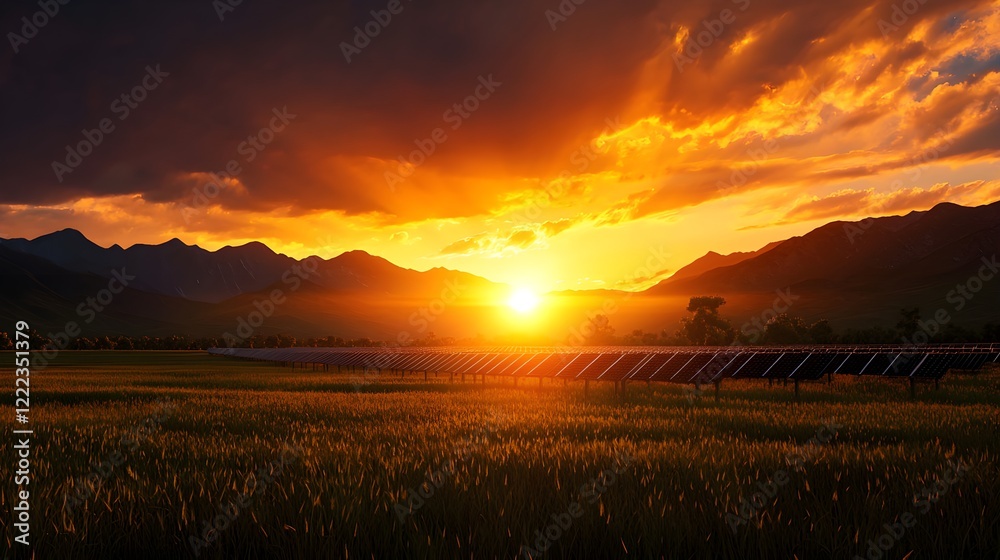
543, 144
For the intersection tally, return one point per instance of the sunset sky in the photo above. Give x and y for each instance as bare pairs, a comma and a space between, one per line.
594, 146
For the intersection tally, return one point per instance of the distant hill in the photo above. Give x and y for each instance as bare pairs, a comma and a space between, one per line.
859, 272
712, 260
852, 273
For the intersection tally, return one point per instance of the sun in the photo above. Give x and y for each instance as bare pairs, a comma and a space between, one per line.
523, 300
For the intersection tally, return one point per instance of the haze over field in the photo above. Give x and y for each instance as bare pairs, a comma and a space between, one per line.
854, 274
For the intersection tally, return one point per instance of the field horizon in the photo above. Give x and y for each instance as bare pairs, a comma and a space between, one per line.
329, 465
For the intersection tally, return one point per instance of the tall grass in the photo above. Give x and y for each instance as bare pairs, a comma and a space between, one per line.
532, 451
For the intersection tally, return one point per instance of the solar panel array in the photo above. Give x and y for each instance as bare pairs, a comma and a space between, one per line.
662, 364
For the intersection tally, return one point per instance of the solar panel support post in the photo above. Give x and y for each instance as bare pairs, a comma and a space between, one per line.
913, 388
829, 378
718, 385
425, 375
586, 387
621, 389
539, 382
937, 384
796, 383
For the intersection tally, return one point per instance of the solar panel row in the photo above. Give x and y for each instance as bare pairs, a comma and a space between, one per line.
687, 366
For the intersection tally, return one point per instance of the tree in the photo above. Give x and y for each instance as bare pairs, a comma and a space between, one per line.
5, 342
822, 333
706, 327
909, 322
601, 331
785, 329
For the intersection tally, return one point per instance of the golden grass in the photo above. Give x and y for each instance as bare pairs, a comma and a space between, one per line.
516, 456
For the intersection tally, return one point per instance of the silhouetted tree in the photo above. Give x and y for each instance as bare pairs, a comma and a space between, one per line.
601, 330
822, 333
785, 329
909, 322
706, 327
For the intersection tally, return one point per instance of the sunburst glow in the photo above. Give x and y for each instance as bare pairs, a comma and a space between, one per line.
523, 300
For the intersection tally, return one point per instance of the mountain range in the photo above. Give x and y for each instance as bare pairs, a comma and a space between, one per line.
855, 274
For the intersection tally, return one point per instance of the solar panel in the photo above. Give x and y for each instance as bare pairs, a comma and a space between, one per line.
786, 364
498, 365
425, 362
473, 365
596, 368
517, 363
551, 366
623, 368
531, 363
879, 364
438, 360
758, 365
655, 362
689, 371
973, 362
904, 364
835, 363
450, 366
669, 369
933, 366
411, 362
856, 363
813, 367
734, 365
618, 363
713, 370
575, 365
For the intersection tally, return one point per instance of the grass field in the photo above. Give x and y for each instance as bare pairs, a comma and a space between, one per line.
136, 453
